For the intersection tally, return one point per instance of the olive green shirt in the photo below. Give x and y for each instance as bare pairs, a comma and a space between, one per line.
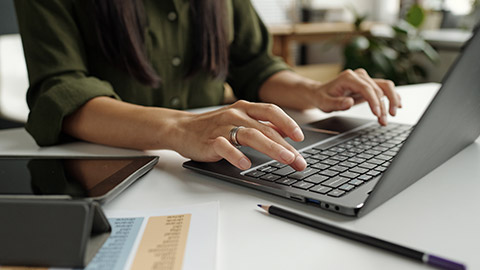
66, 67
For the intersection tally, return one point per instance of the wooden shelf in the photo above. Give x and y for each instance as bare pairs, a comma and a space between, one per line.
304, 33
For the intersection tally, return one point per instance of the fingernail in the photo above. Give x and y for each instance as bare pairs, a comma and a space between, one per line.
376, 111
244, 163
300, 162
383, 119
394, 111
298, 134
287, 156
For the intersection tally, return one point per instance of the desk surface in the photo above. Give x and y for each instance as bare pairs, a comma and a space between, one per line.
437, 214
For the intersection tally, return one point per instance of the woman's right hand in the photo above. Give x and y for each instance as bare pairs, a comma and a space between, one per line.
206, 137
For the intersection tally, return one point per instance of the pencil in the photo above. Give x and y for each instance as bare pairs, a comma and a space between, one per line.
423, 257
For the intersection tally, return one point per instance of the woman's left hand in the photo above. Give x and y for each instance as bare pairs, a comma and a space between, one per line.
353, 87
288, 89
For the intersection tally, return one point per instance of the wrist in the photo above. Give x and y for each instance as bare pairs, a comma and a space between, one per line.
168, 129
311, 88
288, 89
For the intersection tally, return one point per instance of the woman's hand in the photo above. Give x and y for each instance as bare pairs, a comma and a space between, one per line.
206, 137
288, 89
201, 137
353, 87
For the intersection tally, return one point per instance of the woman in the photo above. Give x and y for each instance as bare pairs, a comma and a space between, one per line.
117, 72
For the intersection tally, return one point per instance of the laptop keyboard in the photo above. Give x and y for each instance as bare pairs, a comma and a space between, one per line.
340, 169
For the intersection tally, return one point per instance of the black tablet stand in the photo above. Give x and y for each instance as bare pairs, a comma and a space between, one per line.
50, 232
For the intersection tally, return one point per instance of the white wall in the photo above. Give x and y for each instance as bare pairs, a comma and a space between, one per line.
274, 11
377, 10
13, 79
280, 11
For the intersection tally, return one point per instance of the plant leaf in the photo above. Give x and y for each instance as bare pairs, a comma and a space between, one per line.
430, 52
415, 15
381, 63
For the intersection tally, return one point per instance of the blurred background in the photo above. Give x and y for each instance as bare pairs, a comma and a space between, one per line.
406, 41
403, 40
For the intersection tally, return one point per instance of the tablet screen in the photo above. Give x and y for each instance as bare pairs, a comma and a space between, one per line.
77, 177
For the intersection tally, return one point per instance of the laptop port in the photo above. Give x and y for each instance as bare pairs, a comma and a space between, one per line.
297, 198
312, 201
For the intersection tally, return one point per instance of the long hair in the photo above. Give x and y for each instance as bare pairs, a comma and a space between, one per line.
120, 24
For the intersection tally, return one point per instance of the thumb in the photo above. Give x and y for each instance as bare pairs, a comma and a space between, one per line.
330, 103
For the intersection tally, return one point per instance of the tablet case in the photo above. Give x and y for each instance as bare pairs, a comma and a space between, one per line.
51, 232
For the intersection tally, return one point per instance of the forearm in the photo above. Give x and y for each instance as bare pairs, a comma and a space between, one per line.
201, 137
290, 90
107, 121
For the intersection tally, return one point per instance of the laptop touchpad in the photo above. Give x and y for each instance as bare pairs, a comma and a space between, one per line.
314, 132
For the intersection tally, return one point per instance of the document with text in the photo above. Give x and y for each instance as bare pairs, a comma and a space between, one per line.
179, 238
171, 239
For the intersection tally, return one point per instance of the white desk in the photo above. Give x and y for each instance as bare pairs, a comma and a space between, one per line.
442, 219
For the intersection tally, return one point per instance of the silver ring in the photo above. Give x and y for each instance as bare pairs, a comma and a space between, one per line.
233, 136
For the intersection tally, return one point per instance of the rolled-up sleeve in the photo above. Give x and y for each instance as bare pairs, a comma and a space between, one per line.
251, 60
57, 69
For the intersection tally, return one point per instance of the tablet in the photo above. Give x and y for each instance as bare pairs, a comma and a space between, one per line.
95, 178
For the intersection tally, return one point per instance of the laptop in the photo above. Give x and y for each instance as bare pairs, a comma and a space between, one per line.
354, 165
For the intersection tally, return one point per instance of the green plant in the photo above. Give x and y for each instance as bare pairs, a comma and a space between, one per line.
394, 57
475, 3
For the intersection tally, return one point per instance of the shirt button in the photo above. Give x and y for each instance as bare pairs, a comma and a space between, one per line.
176, 61
175, 101
172, 16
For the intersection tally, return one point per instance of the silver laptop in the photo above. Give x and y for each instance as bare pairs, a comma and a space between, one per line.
358, 165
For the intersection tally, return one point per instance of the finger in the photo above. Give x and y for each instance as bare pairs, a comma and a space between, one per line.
337, 103
383, 119
226, 150
362, 73
275, 115
257, 140
239, 117
356, 84
271, 131
358, 100
389, 90
272, 126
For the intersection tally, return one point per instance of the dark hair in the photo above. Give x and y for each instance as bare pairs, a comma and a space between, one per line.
120, 25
